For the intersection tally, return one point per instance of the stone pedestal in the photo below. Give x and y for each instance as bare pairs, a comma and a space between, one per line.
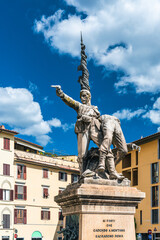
103, 211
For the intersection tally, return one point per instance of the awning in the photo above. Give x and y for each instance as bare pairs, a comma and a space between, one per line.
36, 234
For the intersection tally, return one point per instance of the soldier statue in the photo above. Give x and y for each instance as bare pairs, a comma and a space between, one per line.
103, 130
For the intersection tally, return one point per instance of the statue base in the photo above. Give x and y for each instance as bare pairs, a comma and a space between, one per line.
99, 210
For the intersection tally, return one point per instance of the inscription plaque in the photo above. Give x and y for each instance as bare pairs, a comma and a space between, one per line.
108, 227
109, 231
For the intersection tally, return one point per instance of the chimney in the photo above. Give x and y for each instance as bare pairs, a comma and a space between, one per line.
2, 127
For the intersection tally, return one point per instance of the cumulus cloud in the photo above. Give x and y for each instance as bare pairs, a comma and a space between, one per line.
128, 114
130, 27
19, 110
154, 114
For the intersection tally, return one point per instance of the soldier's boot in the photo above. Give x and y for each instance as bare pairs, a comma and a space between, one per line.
102, 160
112, 171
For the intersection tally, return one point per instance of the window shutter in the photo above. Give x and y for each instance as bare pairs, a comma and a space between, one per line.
25, 216
8, 144
15, 216
8, 169
25, 173
41, 215
7, 221
49, 215
4, 169
4, 143
25, 192
4, 221
11, 195
59, 175
65, 176
1, 194
16, 192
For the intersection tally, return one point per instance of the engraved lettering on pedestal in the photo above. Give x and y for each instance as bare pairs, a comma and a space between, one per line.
109, 231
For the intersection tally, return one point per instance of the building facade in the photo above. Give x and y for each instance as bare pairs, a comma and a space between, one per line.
6, 183
142, 168
29, 181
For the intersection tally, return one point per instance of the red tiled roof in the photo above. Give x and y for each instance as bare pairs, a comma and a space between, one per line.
8, 131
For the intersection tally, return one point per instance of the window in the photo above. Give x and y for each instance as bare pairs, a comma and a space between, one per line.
59, 238
61, 190
136, 157
155, 219
141, 217
155, 173
6, 194
135, 176
62, 176
6, 144
6, 169
45, 215
155, 196
20, 216
127, 174
20, 192
6, 221
60, 215
21, 171
45, 192
126, 162
45, 173
74, 178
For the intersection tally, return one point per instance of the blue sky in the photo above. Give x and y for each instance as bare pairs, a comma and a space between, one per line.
40, 46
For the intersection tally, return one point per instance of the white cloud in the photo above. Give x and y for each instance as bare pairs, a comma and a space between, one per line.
154, 116
128, 114
135, 23
55, 122
154, 113
21, 113
67, 126
156, 105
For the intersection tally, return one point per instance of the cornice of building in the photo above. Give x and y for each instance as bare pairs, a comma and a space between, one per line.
147, 139
44, 161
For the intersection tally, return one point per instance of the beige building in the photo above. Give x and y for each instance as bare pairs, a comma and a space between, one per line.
36, 179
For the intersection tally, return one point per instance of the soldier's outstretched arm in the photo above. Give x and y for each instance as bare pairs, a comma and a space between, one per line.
66, 99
